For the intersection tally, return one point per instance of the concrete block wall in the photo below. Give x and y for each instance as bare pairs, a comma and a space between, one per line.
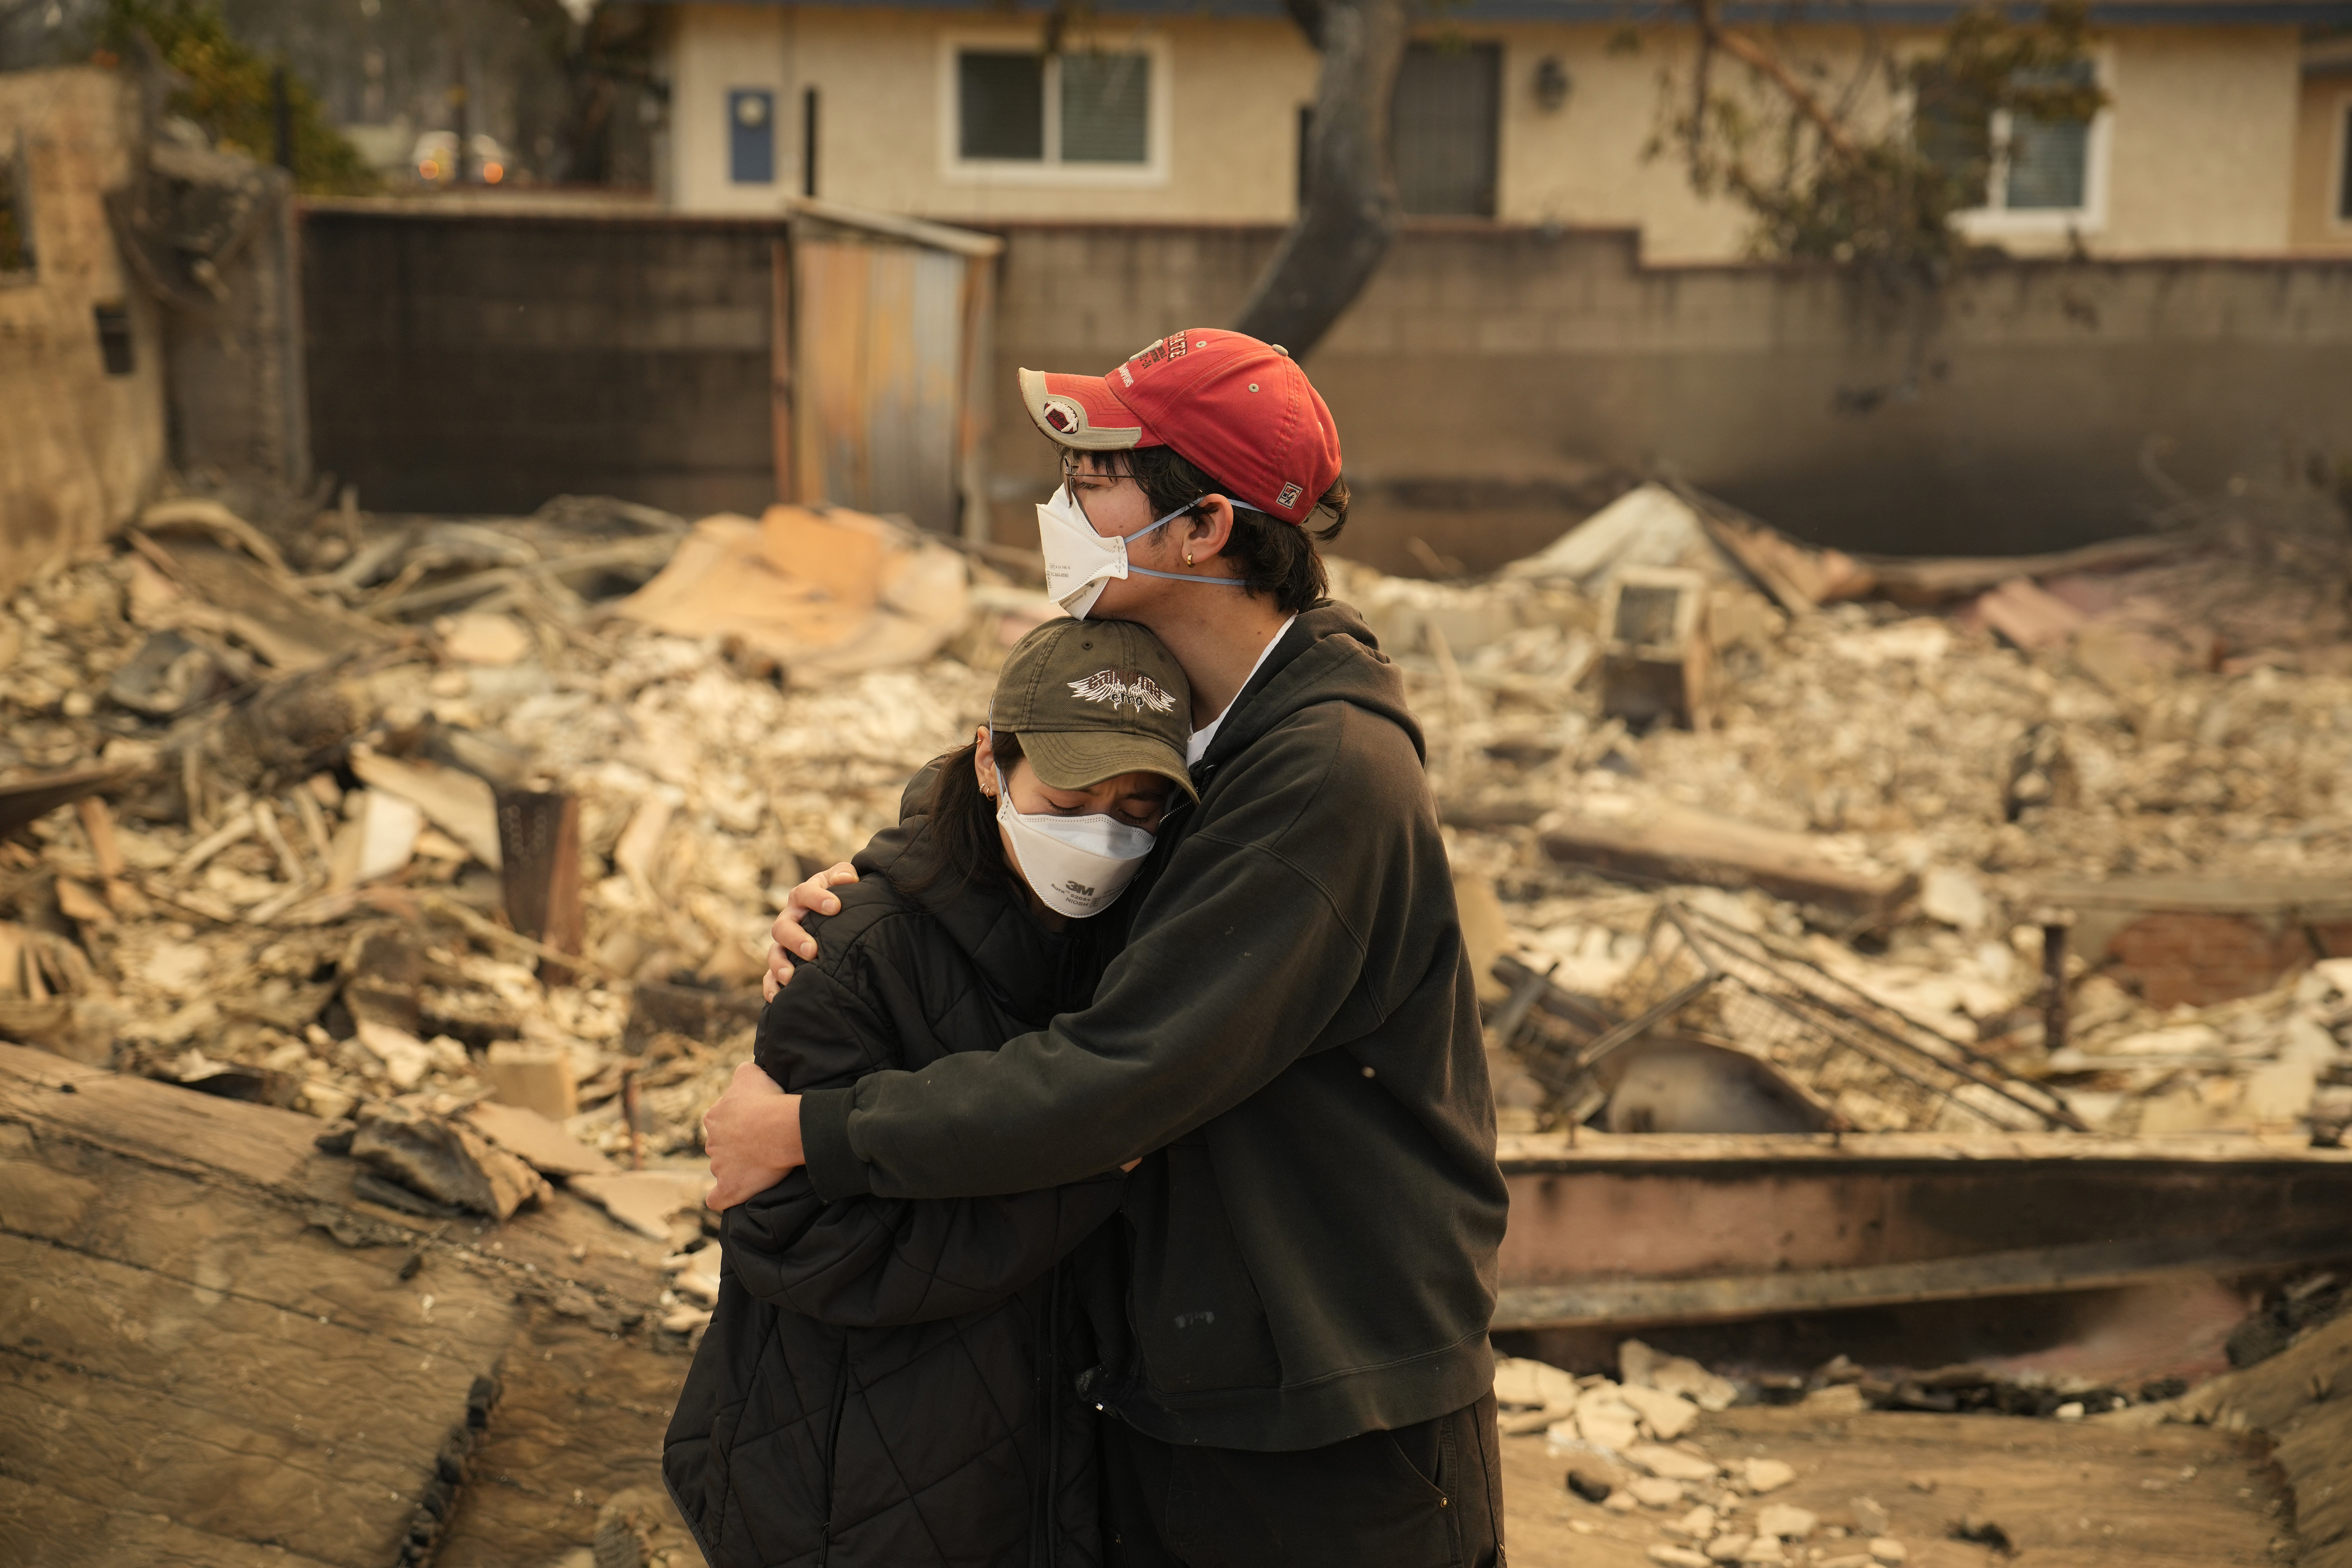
80, 447
2011, 412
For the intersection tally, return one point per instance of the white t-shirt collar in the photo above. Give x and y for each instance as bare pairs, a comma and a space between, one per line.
1198, 746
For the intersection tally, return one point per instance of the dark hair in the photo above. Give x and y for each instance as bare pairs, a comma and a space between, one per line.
1274, 558
962, 821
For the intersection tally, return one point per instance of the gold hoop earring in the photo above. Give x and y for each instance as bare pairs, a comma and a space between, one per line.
1188, 557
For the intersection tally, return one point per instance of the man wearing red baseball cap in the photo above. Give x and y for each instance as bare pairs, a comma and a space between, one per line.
1295, 1368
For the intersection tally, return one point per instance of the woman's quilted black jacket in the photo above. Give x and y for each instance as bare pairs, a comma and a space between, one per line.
889, 1382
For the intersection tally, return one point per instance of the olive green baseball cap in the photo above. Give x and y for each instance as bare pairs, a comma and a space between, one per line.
1093, 699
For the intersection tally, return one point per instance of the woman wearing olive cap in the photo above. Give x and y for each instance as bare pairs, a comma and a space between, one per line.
890, 1383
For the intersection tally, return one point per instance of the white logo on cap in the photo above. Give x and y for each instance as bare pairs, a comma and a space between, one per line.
1138, 691
1066, 415
1289, 495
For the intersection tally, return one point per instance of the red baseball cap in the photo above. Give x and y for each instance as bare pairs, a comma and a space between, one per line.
1228, 404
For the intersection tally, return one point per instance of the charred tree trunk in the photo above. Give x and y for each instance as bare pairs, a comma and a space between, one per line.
1349, 212
601, 51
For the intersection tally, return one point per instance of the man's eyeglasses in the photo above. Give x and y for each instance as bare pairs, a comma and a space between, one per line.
1074, 467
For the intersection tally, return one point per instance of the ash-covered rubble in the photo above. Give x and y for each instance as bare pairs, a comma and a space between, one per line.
254, 824
269, 794
1962, 781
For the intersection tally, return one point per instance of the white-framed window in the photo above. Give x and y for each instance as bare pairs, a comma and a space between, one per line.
1095, 113
2037, 176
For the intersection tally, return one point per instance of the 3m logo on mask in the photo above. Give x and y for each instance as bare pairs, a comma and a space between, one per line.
1138, 691
1079, 889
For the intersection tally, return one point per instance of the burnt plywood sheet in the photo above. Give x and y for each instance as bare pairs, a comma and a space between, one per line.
212, 1353
1662, 1227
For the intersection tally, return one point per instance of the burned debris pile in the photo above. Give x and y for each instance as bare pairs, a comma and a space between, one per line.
362, 817
433, 830
1888, 786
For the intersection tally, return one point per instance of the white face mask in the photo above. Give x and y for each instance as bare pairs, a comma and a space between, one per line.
1079, 562
1077, 865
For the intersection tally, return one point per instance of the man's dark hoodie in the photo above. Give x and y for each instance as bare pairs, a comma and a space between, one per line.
1291, 1036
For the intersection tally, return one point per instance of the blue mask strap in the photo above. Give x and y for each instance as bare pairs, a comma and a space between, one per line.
1175, 576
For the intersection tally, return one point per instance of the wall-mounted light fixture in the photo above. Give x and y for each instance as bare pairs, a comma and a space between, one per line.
1552, 84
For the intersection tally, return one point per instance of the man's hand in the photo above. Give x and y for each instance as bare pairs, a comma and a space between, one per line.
788, 939
752, 1136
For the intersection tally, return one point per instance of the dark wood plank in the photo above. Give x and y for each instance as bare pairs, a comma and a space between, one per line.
174, 1129
197, 1339
129, 1449
162, 1123
41, 1527
580, 1418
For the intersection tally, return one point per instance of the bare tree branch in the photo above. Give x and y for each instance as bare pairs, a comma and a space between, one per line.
1765, 63
1350, 215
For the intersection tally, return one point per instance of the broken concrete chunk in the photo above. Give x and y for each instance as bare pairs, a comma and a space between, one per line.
1766, 1475
406, 1059
1888, 1551
546, 1147
1952, 895
378, 837
446, 1161
536, 1075
696, 1274
2280, 1093
484, 637
1667, 1415
1678, 1557
1606, 1421
1870, 1516
1838, 1399
454, 801
1639, 1364
327, 1101
685, 1320
1728, 1548
1533, 1384
1655, 1491
644, 1200
1764, 1550
1673, 1464
1698, 1524
1785, 1520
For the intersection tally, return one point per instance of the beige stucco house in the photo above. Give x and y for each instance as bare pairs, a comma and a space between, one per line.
2227, 131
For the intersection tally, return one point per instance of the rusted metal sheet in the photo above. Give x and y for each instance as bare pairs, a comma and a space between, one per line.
879, 376
1663, 1228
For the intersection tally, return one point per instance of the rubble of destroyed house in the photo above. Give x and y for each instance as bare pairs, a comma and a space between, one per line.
464, 836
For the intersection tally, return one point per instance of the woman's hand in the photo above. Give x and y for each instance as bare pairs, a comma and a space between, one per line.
788, 940
752, 1136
